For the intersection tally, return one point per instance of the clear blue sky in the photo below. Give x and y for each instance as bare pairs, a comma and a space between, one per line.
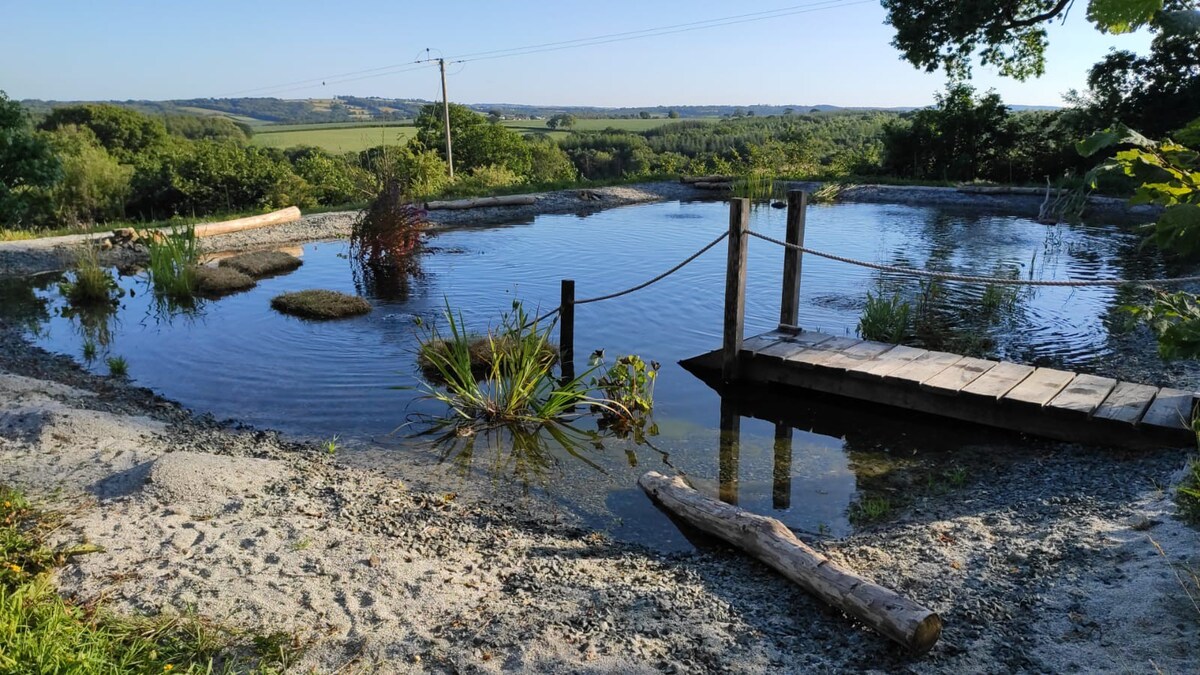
155, 49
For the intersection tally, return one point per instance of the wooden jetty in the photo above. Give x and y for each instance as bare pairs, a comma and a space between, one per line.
1040, 401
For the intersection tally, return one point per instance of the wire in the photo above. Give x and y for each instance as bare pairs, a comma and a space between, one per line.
396, 68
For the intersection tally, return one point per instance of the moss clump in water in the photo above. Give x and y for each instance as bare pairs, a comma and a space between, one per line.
320, 304
218, 281
263, 263
481, 351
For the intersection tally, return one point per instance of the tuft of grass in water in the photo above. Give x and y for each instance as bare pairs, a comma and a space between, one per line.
40, 632
480, 348
89, 283
518, 387
320, 304
885, 319
870, 510
331, 445
757, 187
828, 192
89, 350
173, 257
117, 366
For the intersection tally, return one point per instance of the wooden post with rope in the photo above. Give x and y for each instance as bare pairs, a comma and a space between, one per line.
789, 306
735, 287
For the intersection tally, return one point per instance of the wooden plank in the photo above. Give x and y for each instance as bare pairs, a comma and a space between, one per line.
1171, 409
750, 346
821, 353
1043, 385
924, 367
852, 357
793, 345
887, 362
999, 380
1127, 402
959, 375
1084, 394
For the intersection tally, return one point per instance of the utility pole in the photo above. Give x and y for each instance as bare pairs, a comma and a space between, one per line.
446, 115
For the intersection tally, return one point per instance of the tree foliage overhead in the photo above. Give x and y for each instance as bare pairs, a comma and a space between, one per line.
1011, 34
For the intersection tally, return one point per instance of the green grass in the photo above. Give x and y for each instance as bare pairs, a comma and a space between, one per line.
89, 283
40, 632
173, 257
338, 139
117, 366
885, 319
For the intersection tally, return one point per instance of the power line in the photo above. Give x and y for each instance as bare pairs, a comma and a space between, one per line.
594, 40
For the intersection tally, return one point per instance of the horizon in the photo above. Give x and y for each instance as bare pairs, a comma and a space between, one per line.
137, 55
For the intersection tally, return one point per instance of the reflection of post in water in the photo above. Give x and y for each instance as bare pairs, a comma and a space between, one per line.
781, 489
727, 470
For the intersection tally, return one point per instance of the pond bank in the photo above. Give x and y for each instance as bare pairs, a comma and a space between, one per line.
1041, 561
22, 258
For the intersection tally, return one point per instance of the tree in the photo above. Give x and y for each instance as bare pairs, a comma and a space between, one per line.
94, 186
27, 166
561, 121
644, 115
673, 114
1011, 34
124, 133
431, 125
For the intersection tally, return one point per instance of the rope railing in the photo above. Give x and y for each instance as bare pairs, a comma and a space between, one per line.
969, 278
660, 277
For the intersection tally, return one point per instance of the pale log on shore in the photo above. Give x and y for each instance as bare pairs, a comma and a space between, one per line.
279, 217
713, 186
479, 202
767, 539
1000, 190
706, 179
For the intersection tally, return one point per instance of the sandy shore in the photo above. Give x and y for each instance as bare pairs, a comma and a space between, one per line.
1045, 561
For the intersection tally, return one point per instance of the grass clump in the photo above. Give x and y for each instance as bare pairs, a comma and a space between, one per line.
117, 366
481, 349
885, 319
173, 260
40, 632
218, 281
757, 187
89, 283
262, 263
518, 387
320, 304
870, 510
1187, 494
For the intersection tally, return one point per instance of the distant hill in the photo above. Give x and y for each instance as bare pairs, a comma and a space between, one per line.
265, 110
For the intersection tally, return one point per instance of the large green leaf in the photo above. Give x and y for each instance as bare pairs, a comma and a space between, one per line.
1178, 229
1122, 16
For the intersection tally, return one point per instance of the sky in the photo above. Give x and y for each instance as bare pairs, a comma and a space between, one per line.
834, 52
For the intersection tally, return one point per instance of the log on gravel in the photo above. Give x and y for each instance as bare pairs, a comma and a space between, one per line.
706, 179
279, 217
769, 540
713, 186
480, 202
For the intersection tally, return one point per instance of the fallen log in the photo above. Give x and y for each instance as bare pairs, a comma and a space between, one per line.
999, 190
479, 202
265, 220
767, 539
706, 179
713, 186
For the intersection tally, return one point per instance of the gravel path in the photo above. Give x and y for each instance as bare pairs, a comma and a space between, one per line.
1042, 562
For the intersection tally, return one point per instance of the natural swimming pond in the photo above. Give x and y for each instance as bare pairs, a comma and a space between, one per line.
357, 378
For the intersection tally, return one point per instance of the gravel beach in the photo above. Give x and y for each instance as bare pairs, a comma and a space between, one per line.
1049, 558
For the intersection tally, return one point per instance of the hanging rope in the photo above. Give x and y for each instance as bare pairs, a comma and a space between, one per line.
658, 278
950, 276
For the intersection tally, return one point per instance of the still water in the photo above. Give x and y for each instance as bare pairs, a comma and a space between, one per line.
803, 460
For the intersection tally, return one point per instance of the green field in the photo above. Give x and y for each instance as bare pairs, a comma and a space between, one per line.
354, 137
337, 139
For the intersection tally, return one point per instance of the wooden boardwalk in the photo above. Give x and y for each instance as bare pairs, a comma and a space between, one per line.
1039, 401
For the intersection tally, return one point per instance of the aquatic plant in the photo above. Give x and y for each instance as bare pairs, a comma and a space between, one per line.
480, 348
262, 263
870, 510
117, 366
518, 387
89, 350
89, 283
388, 233
885, 319
758, 186
828, 192
630, 384
320, 304
173, 257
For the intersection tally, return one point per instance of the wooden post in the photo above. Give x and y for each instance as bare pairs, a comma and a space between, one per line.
566, 329
781, 485
729, 449
789, 307
769, 540
735, 288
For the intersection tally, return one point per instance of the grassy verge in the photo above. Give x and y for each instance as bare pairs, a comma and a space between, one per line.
41, 632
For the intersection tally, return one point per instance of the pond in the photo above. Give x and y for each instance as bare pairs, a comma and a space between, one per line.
805, 460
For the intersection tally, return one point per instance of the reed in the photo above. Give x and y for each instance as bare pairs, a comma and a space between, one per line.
173, 257
89, 284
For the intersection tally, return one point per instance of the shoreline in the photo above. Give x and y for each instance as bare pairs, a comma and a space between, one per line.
35, 256
1043, 561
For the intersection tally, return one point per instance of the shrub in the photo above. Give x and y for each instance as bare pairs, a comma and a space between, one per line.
388, 233
550, 163
28, 167
89, 284
94, 185
332, 180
